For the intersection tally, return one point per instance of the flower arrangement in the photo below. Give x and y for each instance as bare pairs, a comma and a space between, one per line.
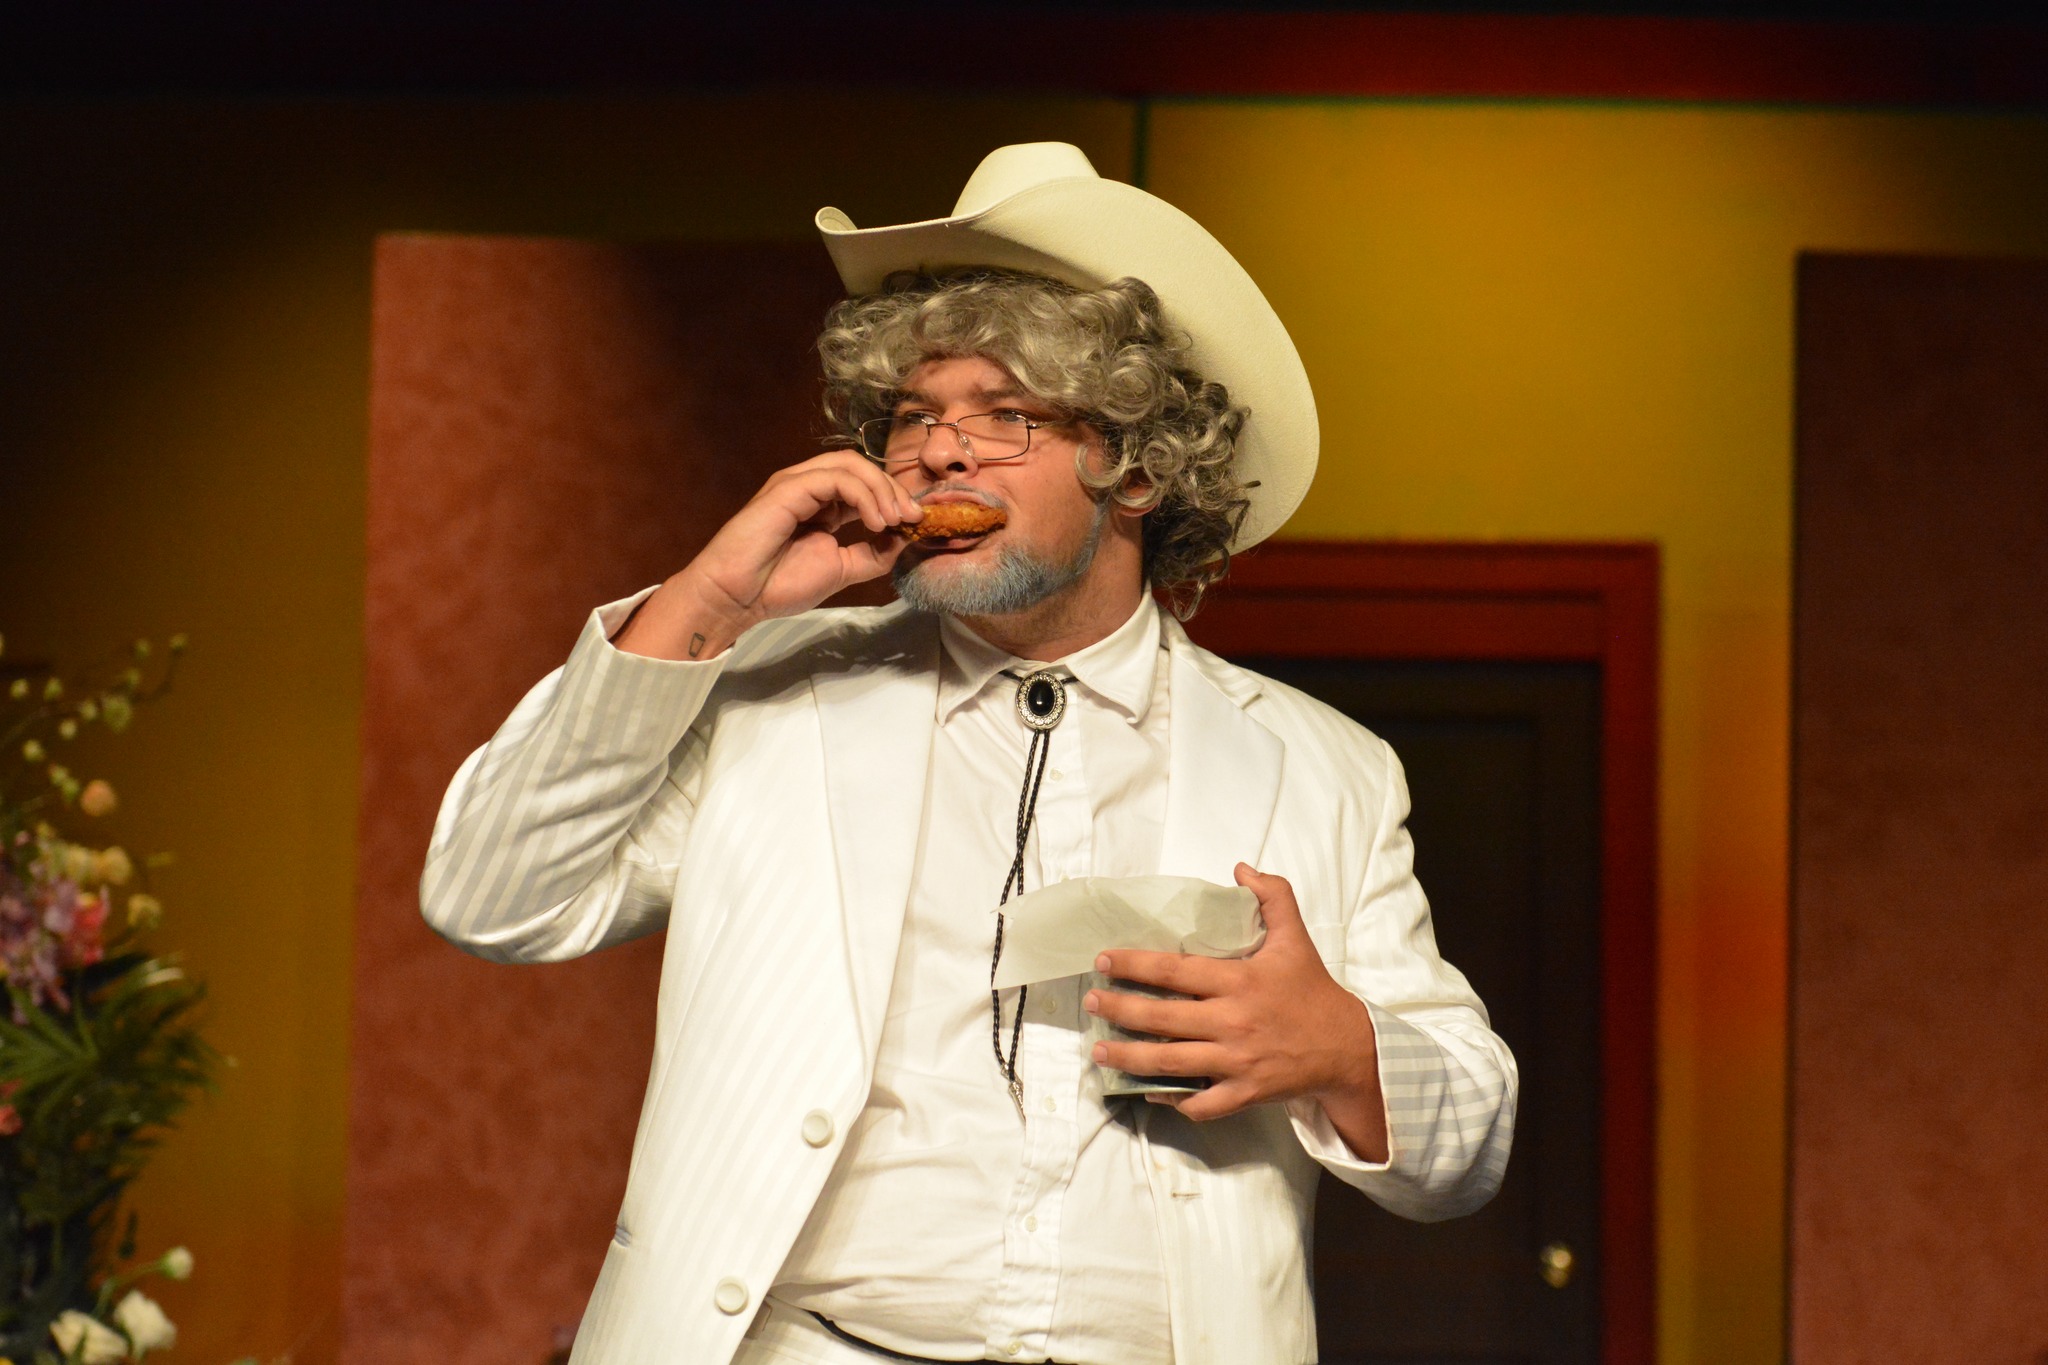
99, 1050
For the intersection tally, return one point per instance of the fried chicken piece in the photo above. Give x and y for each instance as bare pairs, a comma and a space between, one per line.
944, 520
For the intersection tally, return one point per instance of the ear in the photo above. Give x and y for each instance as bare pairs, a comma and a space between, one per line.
1094, 452
1138, 487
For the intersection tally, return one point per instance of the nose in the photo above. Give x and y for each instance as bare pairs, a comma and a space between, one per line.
946, 452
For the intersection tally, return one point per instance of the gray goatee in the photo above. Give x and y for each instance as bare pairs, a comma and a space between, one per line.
1016, 581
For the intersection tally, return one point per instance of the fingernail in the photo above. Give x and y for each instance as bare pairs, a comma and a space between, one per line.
1102, 963
1101, 1053
1088, 1002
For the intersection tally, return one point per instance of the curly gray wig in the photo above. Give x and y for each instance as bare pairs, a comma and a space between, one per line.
1106, 356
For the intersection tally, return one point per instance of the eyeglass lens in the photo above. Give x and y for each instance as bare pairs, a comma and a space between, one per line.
987, 436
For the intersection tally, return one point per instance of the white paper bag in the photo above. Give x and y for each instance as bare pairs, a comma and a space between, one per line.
1059, 931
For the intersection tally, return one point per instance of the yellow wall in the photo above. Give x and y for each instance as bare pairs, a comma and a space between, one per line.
1575, 321
1524, 320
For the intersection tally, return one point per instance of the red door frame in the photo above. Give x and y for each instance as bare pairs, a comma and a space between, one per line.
1588, 603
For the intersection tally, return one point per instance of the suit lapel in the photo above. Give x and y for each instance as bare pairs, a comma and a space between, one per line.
875, 715
1224, 767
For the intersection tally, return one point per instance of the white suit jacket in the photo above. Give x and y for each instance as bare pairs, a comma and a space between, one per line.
766, 813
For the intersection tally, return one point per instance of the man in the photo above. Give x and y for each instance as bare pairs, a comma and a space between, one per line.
851, 1149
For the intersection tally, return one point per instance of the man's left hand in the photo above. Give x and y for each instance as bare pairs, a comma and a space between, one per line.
1272, 1026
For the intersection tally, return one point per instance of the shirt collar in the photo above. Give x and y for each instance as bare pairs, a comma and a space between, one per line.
1119, 668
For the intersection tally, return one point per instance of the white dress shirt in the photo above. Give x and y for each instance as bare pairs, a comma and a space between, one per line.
948, 1228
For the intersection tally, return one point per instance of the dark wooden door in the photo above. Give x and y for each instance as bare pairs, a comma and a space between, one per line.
1519, 685
1503, 763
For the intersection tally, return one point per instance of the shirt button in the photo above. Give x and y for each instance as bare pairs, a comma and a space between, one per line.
731, 1297
1055, 774
818, 1128
1030, 1222
1049, 1005
1011, 1348
1052, 1106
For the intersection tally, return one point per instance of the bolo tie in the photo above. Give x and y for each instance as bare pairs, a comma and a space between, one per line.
1041, 701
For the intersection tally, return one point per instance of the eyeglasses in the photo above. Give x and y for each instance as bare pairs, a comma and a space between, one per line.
990, 437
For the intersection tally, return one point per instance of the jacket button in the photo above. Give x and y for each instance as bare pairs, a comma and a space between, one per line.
818, 1128
731, 1297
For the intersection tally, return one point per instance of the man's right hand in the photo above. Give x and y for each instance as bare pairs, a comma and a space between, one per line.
779, 555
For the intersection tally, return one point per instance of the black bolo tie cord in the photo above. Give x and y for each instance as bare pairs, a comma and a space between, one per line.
1041, 701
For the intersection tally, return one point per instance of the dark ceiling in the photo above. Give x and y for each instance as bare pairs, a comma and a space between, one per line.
480, 46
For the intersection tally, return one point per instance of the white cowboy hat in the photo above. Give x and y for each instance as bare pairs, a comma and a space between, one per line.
1040, 206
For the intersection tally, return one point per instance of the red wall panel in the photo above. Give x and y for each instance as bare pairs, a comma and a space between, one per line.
553, 425
1919, 1077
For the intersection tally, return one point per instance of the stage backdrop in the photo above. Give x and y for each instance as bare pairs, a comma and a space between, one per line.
1919, 1068
553, 425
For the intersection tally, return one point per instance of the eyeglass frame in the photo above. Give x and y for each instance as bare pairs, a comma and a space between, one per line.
1031, 425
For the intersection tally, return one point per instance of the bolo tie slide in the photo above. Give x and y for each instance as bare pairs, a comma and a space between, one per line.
1041, 702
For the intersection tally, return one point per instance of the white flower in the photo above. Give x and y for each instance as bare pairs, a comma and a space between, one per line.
78, 864
147, 1327
98, 798
177, 1264
114, 867
146, 912
86, 1339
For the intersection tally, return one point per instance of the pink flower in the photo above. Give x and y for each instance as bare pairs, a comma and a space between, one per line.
46, 927
82, 944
